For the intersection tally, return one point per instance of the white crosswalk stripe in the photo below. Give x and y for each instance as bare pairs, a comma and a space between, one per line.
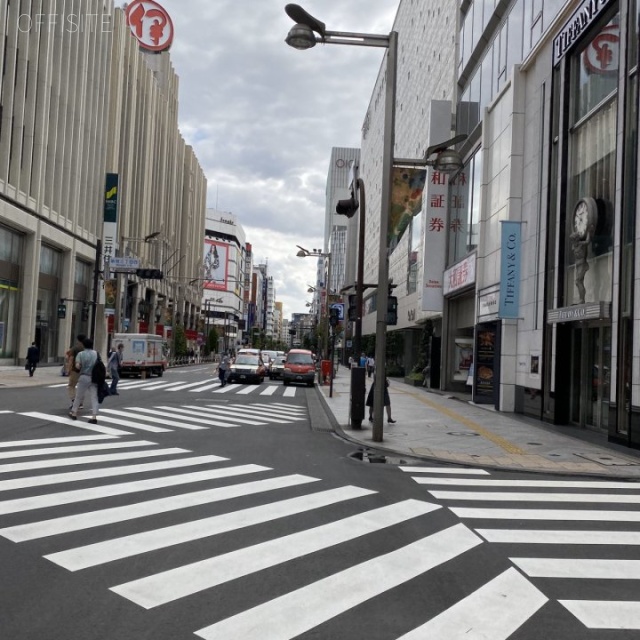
569, 561
495, 604
76, 423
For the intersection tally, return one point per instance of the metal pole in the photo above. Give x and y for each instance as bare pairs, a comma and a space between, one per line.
333, 349
96, 284
357, 340
326, 310
383, 262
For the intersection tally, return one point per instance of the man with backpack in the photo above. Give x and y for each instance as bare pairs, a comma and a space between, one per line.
92, 374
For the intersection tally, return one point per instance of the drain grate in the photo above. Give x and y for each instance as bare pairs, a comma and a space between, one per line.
463, 434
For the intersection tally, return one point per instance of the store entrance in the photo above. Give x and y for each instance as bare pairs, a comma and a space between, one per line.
590, 376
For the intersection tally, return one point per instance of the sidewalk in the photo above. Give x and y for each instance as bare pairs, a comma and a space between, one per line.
16, 377
439, 427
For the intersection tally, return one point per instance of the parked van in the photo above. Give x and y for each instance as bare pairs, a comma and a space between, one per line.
143, 354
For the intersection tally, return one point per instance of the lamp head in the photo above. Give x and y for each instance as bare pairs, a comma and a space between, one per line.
301, 37
151, 236
302, 253
448, 161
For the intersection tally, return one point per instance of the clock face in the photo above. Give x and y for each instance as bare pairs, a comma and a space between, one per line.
581, 218
585, 216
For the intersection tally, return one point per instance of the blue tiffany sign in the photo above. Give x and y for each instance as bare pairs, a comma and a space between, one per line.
510, 256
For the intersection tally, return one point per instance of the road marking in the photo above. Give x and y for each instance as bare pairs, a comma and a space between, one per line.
188, 386
468, 472
71, 462
515, 496
547, 514
66, 524
228, 387
289, 392
278, 409
26, 443
269, 391
154, 419
495, 611
123, 488
143, 542
75, 423
577, 568
564, 536
222, 413
192, 427
4, 455
108, 472
206, 387
128, 423
606, 614
167, 386
562, 484
227, 414
248, 389
290, 615
274, 416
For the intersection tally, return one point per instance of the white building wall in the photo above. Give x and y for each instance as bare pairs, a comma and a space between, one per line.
426, 63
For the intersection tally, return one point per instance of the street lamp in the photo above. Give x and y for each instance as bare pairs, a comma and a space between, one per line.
305, 253
303, 36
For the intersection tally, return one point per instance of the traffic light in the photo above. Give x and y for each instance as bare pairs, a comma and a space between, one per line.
347, 207
62, 311
149, 274
292, 332
85, 312
352, 311
334, 317
392, 310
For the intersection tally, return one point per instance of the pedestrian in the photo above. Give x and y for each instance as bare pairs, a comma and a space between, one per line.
72, 372
114, 365
387, 401
371, 366
363, 359
350, 362
84, 364
33, 357
223, 368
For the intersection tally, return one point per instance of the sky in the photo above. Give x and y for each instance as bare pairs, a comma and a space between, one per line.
263, 117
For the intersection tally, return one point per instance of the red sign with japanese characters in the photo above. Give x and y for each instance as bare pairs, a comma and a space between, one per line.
150, 24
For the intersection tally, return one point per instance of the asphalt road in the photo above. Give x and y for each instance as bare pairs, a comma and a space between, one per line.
193, 512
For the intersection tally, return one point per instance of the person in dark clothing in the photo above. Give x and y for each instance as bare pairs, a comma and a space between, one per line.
387, 401
33, 357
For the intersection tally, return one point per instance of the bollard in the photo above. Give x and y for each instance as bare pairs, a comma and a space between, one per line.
357, 398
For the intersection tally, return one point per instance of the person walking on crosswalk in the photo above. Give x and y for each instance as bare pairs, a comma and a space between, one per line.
113, 365
223, 369
85, 361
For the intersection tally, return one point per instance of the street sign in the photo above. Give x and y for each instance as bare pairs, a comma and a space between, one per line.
124, 264
340, 307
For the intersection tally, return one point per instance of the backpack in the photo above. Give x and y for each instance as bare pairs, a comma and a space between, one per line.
99, 372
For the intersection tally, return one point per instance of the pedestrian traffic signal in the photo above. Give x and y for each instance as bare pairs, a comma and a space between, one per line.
62, 311
85, 312
352, 311
150, 274
392, 310
334, 316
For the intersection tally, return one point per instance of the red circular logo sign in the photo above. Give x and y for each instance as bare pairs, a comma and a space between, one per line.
150, 24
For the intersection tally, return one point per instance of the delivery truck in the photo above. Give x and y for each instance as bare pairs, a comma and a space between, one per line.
143, 354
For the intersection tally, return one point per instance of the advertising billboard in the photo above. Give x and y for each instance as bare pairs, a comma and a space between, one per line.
216, 265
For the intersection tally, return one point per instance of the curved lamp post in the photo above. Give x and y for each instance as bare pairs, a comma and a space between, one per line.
316, 253
305, 34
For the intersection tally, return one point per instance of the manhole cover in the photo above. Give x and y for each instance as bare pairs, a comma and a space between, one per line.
463, 434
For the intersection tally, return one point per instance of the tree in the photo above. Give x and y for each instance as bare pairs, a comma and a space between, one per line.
212, 341
179, 341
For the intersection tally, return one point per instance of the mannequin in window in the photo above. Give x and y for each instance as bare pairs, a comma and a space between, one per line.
580, 245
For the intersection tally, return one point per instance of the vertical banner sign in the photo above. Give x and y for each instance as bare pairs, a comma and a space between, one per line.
109, 227
510, 257
435, 217
216, 265
406, 201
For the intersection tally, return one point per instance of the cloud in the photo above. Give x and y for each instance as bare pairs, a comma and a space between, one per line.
263, 117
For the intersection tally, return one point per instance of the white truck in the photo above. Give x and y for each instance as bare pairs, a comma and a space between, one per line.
143, 354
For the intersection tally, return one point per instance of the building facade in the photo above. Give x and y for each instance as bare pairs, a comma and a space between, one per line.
78, 104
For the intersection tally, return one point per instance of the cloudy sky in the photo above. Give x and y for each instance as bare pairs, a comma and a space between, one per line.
263, 117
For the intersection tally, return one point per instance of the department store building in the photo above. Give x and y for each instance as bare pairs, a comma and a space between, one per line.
547, 94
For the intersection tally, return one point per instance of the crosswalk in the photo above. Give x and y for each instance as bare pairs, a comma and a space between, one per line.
568, 551
191, 417
152, 480
203, 386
